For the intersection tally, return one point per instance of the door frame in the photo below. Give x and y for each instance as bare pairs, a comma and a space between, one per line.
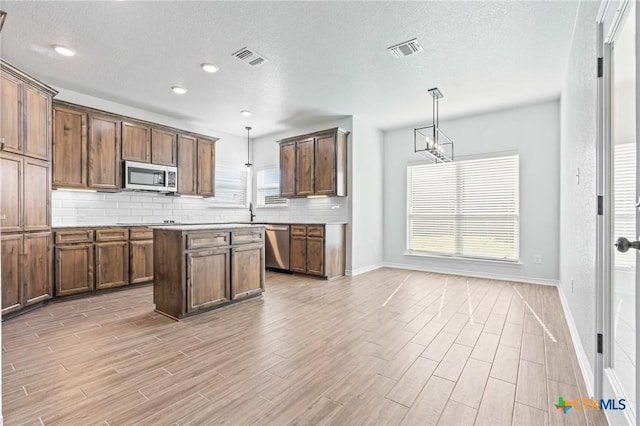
608, 21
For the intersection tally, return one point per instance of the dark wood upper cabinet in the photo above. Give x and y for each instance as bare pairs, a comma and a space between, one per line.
187, 165
11, 202
37, 195
325, 168
206, 167
69, 148
319, 166
25, 113
305, 167
163, 147
11, 113
37, 140
104, 153
136, 142
288, 169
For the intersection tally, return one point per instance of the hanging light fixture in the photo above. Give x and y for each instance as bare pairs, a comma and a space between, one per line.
430, 141
248, 164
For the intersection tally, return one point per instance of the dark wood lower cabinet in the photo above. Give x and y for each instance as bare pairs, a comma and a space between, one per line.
26, 270
74, 269
11, 251
247, 270
140, 261
37, 274
315, 256
318, 249
298, 254
208, 279
112, 264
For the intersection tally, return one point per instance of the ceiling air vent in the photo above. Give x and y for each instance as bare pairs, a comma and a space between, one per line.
405, 49
249, 56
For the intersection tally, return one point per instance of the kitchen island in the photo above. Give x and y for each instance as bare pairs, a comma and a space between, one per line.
202, 267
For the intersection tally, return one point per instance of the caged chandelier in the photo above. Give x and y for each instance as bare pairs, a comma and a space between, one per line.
430, 141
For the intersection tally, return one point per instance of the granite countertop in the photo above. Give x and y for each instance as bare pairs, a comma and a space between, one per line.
164, 225
204, 227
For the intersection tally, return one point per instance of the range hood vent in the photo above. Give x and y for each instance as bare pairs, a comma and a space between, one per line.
250, 56
405, 49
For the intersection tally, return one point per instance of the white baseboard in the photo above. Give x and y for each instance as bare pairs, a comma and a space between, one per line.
358, 271
583, 360
516, 278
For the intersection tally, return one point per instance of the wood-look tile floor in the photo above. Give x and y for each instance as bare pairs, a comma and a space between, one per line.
442, 350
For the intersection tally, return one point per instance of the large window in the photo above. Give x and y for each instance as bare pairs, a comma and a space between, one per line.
231, 187
268, 188
464, 208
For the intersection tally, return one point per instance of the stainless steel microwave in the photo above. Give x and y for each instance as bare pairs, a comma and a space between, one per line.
150, 177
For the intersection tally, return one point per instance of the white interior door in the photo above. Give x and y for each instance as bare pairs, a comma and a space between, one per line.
620, 374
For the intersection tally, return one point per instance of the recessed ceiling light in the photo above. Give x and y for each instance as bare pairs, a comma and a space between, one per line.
209, 68
179, 90
245, 113
64, 51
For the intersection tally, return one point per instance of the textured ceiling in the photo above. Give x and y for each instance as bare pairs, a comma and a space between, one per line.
325, 59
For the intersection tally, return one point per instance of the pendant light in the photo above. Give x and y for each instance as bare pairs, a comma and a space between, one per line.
430, 141
248, 164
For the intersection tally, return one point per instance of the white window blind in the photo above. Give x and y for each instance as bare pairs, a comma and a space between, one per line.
624, 181
231, 186
465, 208
268, 187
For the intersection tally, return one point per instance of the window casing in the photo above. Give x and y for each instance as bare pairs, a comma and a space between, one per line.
467, 209
268, 188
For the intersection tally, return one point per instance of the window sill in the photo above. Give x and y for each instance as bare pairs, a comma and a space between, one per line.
514, 263
275, 206
227, 206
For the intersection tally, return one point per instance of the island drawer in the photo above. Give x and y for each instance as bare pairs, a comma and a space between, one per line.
299, 230
315, 231
199, 240
247, 236
112, 234
71, 236
140, 233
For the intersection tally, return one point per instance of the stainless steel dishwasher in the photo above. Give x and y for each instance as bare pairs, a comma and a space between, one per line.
277, 247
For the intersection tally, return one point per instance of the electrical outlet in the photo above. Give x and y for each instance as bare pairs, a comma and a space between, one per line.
537, 259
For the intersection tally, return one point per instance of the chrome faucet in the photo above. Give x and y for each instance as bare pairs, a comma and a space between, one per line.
251, 211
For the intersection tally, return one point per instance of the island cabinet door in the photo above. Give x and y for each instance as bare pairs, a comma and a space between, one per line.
208, 279
247, 271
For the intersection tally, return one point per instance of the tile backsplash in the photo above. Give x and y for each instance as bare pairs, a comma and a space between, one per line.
73, 208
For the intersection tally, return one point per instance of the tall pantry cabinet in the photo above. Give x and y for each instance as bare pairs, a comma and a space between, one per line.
25, 192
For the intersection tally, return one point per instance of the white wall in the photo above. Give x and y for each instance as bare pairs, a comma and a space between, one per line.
534, 132
366, 178
578, 201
